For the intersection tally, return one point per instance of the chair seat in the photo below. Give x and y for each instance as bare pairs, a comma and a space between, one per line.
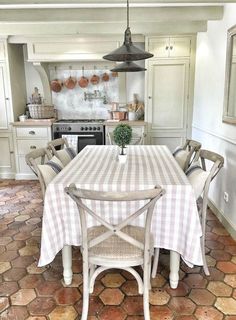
115, 248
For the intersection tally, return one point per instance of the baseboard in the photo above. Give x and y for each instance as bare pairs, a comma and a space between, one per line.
229, 226
7, 175
25, 176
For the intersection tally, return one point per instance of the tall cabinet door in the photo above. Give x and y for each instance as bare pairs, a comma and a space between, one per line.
167, 110
3, 106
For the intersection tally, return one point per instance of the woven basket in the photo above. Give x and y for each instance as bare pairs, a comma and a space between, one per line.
38, 111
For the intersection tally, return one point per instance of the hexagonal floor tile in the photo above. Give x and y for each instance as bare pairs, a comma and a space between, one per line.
219, 289
160, 313
4, 303
111, 312
112, 296
113, 280
208, 313
10, 313
8, 288
67, 295
202, 297
41, 306
22, 297
226, 266
182, 305
4, 266
158, 297
130, 288
181, 291
226, 305
63, 312
195, 281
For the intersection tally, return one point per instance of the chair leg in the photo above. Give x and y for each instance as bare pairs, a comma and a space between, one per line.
155, 262
146, 283
85, 308
205, 267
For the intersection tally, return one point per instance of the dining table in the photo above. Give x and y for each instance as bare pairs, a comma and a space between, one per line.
175, 223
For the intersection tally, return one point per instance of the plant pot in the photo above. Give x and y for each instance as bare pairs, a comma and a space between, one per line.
122, 158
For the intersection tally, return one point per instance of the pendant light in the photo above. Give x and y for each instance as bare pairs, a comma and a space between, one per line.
128, 51
127, 66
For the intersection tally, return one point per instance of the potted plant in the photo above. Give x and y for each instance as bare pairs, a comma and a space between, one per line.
122, 137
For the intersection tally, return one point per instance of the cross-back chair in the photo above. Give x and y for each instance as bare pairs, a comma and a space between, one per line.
121, 245
61, 149
136, 139
215, 162
34, 159
185, 155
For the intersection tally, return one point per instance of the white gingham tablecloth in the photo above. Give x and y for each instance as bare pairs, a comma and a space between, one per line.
175, 225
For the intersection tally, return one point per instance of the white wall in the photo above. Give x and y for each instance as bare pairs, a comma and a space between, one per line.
208, 109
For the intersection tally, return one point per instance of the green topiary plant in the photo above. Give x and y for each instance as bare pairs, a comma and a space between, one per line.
122, 136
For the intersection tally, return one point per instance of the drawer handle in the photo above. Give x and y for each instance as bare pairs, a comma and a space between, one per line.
32, 132
33, 147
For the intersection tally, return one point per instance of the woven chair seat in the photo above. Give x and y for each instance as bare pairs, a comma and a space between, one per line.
116, 248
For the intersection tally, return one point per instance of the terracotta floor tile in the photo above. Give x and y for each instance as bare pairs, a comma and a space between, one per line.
202, 297
112, 296
219, 289
226, 266
23, 297
182, 306
61, 312
20, 233
226, 305
208, 313
41, 306
67, 295
15, 313
111, 312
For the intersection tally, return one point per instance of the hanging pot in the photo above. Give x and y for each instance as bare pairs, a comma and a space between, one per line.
114, 74
83, 81
95, 79
105, 77
70, 83
56, 85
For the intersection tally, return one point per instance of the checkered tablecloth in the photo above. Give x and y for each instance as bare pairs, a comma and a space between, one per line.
175, 224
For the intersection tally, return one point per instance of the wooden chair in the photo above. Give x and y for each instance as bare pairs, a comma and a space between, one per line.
216, 162
136, 139
200, 179
33, 159
185, 155
61, 149
121, 246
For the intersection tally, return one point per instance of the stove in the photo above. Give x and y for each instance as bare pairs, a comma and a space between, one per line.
81, 131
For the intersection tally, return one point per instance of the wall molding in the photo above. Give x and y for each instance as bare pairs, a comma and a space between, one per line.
227, 223
214, 134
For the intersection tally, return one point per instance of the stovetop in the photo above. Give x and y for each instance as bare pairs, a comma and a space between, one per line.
80, 121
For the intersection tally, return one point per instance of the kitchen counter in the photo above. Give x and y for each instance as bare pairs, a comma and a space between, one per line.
131, 123
34, 122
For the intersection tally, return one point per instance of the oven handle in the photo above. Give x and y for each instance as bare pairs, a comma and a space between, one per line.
85, 135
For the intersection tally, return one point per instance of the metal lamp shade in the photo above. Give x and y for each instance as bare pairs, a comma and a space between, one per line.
128, 66
128, 51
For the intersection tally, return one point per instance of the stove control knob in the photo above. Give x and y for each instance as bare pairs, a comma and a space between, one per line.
86, 128
82, 128
98, 128
94, 128
69, 128
90, 128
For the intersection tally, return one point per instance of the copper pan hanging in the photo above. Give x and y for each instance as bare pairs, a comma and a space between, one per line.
83, 81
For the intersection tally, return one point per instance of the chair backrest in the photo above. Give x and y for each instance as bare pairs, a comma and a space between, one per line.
189, 151
151, 196
57, 144
135, 140
33, 159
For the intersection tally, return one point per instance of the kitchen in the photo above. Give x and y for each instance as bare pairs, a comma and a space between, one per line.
30, 51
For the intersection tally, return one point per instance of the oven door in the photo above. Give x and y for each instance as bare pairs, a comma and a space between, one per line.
89, 138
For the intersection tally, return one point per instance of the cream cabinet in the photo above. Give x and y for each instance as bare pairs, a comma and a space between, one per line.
169, 90
7, 161
138, 130
26, 139
170, 47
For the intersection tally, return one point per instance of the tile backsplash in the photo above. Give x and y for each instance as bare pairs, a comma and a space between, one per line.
94, 101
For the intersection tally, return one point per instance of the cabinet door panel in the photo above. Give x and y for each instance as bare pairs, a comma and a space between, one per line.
7, 165
180, 47
3, 106
169, 90
159, 47
171, 142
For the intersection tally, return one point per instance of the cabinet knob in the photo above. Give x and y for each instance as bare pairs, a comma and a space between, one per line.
11, 152
171, 47
167, 47
32, 147
7, 99
32, 132
149, 97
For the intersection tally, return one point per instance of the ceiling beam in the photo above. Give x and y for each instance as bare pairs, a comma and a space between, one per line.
114, 15
108, 28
